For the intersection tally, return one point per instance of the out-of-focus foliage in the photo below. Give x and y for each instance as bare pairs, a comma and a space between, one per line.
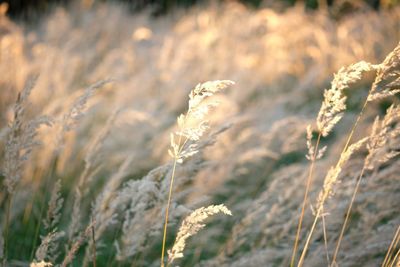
107, 144
35, 8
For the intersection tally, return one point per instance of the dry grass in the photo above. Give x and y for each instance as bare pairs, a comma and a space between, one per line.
86, 175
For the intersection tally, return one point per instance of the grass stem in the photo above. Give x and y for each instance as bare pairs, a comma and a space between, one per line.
6, 230
320, 209
303, 207
394, 242
167, 213
93, 244
348, 215
325, 241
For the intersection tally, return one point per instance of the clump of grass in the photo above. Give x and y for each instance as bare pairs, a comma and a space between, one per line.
379, 152
110, 186
330, 113
337, 104
48, 249
82, 237
20, 142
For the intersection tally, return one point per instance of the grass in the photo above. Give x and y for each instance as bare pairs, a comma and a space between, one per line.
100, 172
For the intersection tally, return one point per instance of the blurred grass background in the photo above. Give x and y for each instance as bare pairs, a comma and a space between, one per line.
281, 60
32, 8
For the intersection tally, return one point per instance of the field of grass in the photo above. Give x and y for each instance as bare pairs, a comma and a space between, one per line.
108, 126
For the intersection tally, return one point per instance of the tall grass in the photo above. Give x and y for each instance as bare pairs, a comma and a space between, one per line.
92, 176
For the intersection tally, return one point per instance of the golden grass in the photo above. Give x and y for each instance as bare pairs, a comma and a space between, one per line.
95, 159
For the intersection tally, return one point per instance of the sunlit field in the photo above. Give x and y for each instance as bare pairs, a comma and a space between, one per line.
218, 135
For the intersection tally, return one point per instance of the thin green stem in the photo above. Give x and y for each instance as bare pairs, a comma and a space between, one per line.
303, 208
35, 237
93, 245
43, 203
116, 233
6, 230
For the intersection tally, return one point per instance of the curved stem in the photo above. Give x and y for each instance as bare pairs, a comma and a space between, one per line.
308, 185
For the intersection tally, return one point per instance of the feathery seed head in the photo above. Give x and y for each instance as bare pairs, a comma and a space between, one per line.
191, 225
334, 103
383, 131
21, 138
192, 125
387, 81
311, 153
333, 174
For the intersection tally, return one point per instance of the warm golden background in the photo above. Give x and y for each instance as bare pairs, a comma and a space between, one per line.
281, 56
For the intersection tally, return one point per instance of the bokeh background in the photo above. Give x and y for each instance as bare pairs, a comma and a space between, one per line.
281, 56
